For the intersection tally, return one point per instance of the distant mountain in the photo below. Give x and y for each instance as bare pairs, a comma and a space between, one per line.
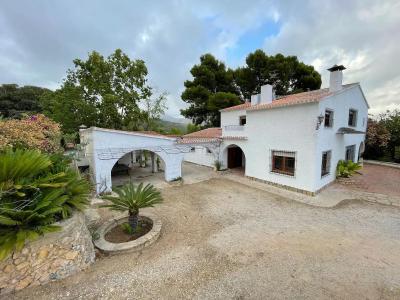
179, 120
166, 126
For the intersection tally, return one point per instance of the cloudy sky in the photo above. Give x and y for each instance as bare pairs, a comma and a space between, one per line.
39, 39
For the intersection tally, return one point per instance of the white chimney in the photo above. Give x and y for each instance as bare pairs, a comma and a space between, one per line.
336, 78
267, 94
255, 99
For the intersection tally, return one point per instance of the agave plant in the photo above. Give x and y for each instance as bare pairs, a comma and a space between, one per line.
131, 198
347, 168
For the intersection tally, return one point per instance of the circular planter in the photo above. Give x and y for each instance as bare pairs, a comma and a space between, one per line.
132, 246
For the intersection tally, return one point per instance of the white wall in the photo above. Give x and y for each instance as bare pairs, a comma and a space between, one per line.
231, 117
287, 129
327, 137
294, 129
108, 146
201, 156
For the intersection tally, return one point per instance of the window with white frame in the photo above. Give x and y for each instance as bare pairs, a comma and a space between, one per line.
350, 152
326, 163
192, 149
352, 118
283, 162
328, 118
242, 120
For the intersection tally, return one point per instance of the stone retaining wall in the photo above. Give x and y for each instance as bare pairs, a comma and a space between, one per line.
53, 256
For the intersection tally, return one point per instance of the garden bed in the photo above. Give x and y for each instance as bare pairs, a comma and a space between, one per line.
119, 235
118, 246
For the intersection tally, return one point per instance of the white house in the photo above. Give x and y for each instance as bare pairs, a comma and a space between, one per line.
294, 141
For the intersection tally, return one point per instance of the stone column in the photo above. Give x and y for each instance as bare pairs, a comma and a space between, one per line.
142, 159
153, 163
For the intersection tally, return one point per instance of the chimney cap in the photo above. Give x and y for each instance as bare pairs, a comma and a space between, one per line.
336, 68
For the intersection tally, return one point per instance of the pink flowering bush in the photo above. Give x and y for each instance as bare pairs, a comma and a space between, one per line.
31, 132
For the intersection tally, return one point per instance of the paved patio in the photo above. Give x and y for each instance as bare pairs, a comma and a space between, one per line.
376, 179
191, 173
222, 239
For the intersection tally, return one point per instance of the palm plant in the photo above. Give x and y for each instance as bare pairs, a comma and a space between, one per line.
347, 168
131, 198
32, 197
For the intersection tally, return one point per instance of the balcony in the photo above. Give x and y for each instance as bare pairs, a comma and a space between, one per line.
234, 130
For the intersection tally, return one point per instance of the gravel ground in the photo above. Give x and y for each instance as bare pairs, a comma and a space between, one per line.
224, 240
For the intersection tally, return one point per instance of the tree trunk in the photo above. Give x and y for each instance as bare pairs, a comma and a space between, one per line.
133, 220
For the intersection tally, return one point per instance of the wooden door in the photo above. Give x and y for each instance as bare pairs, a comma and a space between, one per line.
234, 157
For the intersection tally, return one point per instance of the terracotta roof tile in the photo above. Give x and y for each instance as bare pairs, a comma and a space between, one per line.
300, 98
207, 135
214, 132
237, 107
294, 99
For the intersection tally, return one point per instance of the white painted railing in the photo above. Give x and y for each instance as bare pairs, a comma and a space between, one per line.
234, 128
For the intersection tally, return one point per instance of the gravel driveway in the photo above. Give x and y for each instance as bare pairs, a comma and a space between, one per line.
224, 240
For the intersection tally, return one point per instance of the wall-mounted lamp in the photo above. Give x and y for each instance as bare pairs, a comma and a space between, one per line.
320, 119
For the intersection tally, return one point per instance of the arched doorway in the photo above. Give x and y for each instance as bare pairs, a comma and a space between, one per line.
234, 157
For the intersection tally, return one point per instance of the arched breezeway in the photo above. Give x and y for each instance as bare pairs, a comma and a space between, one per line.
104, 148
138, 166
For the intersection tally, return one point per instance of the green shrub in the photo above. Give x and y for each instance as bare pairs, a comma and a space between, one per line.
35, 193
131, 198
347, 168
218, 165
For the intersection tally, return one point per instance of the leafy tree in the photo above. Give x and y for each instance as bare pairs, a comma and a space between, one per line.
192, 128
377, 139
285, 73
68, 107
209, 78
131, 198
219, 101
104, 92
153, 109
176, 131
15, 100
391, 120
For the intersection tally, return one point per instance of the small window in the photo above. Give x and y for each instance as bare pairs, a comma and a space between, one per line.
328, 118
283, 162
192, 149
352, 117
208, 150
350, 152
242, 120
326, 163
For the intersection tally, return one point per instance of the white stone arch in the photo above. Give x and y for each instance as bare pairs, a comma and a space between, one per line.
105, 147
172, 163
224, 154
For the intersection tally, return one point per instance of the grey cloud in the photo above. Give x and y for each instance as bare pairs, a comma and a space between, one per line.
39, 39
363, 35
